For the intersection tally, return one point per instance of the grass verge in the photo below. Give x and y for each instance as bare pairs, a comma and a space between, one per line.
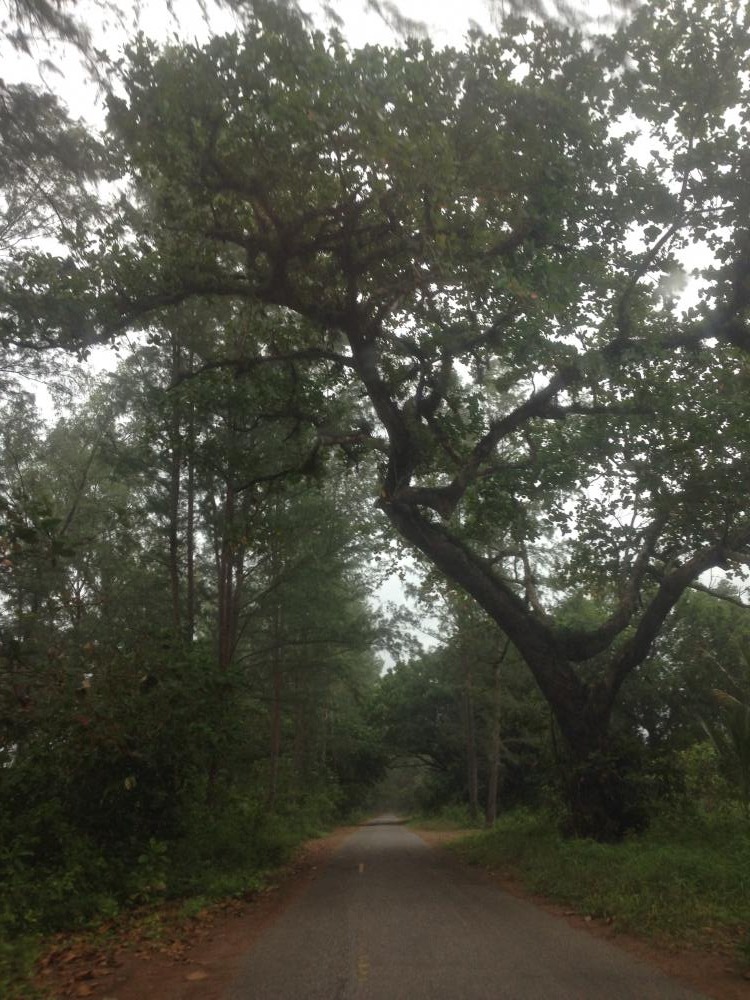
685, 881
449, 818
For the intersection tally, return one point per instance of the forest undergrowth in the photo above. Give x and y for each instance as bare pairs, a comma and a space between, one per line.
97, 896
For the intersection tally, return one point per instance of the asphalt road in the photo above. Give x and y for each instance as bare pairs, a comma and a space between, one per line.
392, 919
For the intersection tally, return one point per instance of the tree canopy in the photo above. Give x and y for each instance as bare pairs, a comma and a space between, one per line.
467, 241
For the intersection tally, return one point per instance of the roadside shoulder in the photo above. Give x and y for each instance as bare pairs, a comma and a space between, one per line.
715, 973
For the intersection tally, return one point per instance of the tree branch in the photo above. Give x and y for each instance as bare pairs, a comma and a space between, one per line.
673, 584
243, 366
582, 645
728, 598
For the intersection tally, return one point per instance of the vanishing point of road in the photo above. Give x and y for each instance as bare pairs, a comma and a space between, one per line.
392, 919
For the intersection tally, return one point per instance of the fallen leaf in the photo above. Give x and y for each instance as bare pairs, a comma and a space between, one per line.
196, 976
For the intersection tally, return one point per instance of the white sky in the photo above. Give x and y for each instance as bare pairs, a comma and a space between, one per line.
447, 21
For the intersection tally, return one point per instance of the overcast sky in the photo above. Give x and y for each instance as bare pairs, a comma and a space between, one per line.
448, 23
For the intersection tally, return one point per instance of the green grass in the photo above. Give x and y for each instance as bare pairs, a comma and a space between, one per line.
456, 817
686, 880
17, 962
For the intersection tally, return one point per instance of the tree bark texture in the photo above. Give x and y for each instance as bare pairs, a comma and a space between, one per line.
470, 729
277, 687
190, 526
490, 815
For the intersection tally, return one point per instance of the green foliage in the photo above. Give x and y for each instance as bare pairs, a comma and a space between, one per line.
447, 817
681, 880
427, 706
452, 259
228, 852
704, 782
18, 957
458, 235
135, 759
737, 722
427, 255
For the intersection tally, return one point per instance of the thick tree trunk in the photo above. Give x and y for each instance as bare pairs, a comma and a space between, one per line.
600, 783
490, 814
535, 640
600, 790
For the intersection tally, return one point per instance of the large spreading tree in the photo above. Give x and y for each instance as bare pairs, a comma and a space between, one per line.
468, 239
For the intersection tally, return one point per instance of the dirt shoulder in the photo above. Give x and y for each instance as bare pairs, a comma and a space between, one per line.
714, 973
167, 955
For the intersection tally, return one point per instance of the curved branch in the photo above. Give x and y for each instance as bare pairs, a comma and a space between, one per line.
582, 645
243, 366
671, 588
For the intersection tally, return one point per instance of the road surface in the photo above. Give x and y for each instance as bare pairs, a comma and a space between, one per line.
392, 919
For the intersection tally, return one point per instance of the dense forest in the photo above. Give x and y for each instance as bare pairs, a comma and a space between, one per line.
474, 316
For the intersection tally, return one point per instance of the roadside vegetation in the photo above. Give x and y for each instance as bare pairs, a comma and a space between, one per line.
685, 882
51, 918
682, 877
447, 818
485, 307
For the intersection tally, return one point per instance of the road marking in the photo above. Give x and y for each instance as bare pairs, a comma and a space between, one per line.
361, 867
363, 968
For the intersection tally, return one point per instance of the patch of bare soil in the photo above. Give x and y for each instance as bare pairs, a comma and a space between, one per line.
163, 954
714, 972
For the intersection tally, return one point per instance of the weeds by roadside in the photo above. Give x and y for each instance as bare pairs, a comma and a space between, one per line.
685, 881
453, 817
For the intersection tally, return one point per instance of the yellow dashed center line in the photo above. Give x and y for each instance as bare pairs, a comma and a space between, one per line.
363, 968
